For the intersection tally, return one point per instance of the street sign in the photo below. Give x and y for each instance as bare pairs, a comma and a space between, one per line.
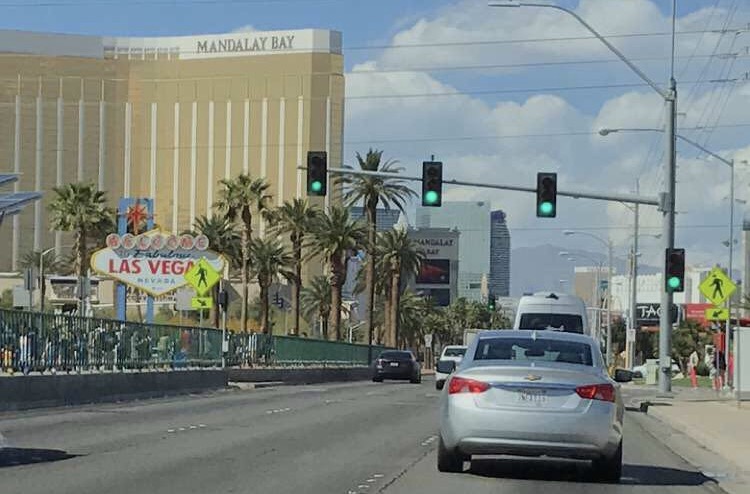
717, 287
717, 314
630, 335
202, 276
200, 303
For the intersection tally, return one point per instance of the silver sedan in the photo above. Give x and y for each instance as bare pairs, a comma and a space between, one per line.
533, 393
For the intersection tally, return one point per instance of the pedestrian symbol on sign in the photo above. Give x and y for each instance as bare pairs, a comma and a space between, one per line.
717, 284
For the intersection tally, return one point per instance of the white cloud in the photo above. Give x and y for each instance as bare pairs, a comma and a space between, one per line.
248, 28
583, 161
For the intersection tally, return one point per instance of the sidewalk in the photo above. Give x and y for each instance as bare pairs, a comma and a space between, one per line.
713, 420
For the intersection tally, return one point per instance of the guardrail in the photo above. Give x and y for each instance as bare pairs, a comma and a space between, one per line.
36, 342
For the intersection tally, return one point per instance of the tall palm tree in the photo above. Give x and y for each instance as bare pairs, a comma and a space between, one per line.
296, 219
334, 236
240, 198
222, 239
412, 314
400, 255
82, 209
268, 259
316, 301
371, 191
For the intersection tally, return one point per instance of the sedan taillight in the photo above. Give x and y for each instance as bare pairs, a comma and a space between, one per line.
602, 392
463, 385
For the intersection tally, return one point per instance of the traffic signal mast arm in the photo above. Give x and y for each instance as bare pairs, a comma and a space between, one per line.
577, 194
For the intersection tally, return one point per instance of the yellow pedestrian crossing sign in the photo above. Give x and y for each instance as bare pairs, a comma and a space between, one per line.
202, 276
717, 314
717, 287
200, 303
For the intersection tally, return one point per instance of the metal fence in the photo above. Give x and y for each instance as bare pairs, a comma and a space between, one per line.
35, 342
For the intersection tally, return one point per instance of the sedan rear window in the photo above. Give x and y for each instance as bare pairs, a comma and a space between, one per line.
534, 350
396, 355
569, 323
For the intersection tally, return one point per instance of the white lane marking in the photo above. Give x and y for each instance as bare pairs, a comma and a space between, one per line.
370, 480
170, 430
201, 425
363, 486
181, 429
193, 427
377, 476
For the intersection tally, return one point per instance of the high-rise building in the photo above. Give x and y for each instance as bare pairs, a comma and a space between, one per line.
439, 274
499, 255
385, 219
472, 220
165, 118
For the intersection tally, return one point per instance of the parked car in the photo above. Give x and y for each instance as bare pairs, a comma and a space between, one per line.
452, 353
397, 364
533, 393
639, 371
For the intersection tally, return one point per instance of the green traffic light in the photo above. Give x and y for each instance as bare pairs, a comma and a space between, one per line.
431, 197
674, 282
546, 208
316, 186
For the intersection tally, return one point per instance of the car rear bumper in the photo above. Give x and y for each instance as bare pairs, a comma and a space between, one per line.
588, 434
399, 373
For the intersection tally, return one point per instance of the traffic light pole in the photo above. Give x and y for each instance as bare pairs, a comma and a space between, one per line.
576, 194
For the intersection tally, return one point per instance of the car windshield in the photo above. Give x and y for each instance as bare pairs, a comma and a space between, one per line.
570, 323
454, 352
396, 355
534, 350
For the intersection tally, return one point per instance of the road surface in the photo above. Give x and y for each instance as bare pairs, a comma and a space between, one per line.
344, 438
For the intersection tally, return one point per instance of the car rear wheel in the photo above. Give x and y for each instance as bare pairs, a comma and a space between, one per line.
449, 460
609, 469
416, 379
439, 384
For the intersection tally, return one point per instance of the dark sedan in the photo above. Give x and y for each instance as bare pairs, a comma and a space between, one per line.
397, 364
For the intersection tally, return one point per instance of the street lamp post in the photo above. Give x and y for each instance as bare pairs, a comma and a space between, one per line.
608, 244
667, 202
731, 164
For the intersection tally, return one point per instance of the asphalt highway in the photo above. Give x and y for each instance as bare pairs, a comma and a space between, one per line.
343, 438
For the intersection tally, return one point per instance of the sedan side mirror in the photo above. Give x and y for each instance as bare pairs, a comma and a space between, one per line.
623, 376
446, 366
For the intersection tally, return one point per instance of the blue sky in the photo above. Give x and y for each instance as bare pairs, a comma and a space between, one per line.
486, 102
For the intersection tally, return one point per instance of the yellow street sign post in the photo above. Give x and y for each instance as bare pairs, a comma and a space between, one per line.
717, 314
717, 287
201, 303
202, 276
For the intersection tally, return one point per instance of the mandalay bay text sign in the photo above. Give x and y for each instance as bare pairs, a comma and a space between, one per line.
154, 262
246, 44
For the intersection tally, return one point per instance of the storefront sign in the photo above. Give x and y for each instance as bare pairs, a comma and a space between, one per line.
154, 262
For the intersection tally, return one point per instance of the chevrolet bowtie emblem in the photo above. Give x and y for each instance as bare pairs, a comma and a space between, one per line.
532, 377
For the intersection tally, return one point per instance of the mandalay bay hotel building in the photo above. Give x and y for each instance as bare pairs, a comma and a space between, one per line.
165, 118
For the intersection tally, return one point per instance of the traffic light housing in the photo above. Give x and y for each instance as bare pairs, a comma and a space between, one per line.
432, 183
546, 195
317, 173
491, 302
675, 270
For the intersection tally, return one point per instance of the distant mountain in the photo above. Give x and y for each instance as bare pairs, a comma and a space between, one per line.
541, 268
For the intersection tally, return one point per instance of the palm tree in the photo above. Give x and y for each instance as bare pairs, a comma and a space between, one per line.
400, 255
295, 218
411, 317
52, 262
268, 259
316, 301
222, 239
240, 198
371, 191
335, 235
80, 208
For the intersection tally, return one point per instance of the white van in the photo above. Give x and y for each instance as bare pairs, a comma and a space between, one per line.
549, 310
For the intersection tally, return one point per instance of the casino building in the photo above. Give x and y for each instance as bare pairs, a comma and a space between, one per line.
165, 118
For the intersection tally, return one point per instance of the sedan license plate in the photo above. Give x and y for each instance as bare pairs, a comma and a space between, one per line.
394, 364
532, 396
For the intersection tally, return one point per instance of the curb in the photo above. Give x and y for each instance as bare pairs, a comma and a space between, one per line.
698, 450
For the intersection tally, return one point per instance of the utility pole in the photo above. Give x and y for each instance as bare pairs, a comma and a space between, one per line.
634, 281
